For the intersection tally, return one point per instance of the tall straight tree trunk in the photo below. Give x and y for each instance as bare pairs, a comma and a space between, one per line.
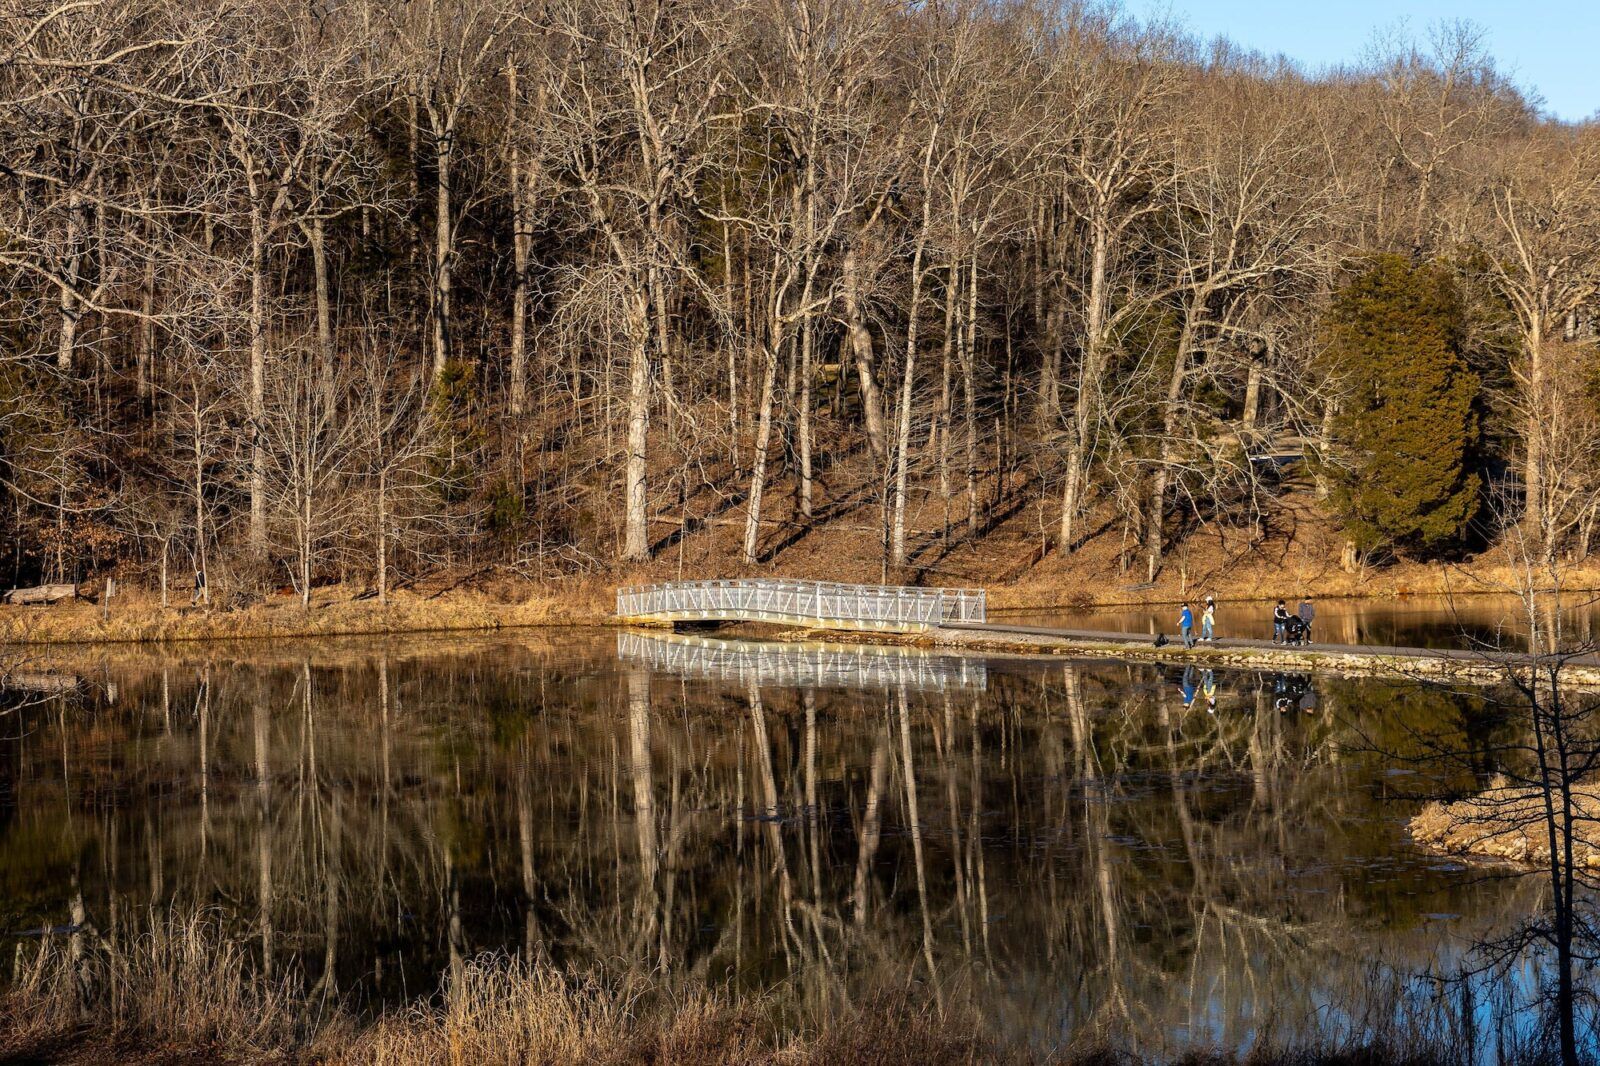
67, 337
307, 539
258, 370
200, 501
1534, 428
319, 266
968, 357
413, 212
733, 349
861, 349
1048, 385
1252, 394
758, 472
145, 354
908, 384
939, 440
636, 538
807, 362
1086, 408
442, 237
382, 522
1157, 505
521, 246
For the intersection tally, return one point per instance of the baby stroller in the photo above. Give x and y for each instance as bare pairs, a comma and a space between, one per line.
1295, 631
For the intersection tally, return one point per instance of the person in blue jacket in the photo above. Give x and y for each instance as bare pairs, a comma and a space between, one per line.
1186, 625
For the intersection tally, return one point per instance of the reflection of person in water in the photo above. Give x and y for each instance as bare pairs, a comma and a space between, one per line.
1209, 686
1187, 685
1293, 690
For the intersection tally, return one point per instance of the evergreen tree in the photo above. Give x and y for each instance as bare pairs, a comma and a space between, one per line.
1407, 430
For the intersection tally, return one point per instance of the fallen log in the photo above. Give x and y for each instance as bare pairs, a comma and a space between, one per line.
41, 683
41, 594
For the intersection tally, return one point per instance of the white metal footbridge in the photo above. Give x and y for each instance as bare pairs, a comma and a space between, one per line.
835, 666
819, 604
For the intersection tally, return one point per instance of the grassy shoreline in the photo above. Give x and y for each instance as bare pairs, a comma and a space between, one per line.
176, 988
136, 615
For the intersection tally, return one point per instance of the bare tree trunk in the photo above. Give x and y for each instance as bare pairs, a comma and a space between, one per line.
67, 338
1170, 412
1252, 394
200, 503
908, 384
733, 349
1329, 410
307, 539
319, 266
968, 357
758, 472
1086, 411
861, 348
442, 250
383, 535
145, 353
521, 245
636, 539
258, 369
807, 362
413, 184
1534, 427
940, 437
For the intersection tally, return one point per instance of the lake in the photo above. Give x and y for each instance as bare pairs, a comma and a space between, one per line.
1485, 621
1082, 851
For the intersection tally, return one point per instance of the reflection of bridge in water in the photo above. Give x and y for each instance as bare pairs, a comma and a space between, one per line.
801, 665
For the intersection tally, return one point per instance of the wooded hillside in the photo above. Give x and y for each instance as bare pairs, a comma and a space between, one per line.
360, 290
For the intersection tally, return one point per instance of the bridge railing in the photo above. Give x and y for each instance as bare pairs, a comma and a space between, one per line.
820, 601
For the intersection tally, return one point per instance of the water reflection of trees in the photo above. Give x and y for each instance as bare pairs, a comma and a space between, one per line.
1072, 849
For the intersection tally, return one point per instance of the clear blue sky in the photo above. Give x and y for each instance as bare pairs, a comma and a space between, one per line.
1547, 46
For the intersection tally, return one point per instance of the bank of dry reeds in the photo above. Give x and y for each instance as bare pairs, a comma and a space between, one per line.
183, 991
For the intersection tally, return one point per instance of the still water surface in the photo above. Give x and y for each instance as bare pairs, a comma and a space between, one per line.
1469, 621
1164, 859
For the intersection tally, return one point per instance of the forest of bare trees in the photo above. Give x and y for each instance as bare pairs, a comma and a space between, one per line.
297, 293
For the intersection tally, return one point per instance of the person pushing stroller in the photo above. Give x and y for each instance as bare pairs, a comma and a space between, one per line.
1280, 623
1292, 629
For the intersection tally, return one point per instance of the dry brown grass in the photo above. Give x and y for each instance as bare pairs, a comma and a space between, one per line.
182, 991
181, 987
179, 981
1507, 823
138, 616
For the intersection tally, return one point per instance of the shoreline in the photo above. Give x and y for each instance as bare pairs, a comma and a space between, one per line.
1430, 664
135, 619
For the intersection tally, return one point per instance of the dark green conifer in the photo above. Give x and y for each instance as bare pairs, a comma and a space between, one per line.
1407, 429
